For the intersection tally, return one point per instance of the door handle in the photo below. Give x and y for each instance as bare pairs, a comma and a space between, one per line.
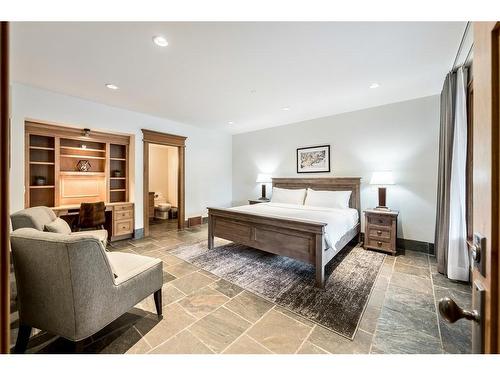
450, 311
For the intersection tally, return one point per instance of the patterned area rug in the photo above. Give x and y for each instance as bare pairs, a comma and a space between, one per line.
290, 283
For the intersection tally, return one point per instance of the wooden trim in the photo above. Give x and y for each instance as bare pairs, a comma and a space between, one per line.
154, 137
145, 187
44, 128
4, 189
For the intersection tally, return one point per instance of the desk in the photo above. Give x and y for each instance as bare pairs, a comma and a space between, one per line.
119, 218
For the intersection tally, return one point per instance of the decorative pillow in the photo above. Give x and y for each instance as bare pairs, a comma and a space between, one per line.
330, 199
291, 196
58, 226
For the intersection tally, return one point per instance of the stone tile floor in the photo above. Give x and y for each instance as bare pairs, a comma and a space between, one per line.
205, 314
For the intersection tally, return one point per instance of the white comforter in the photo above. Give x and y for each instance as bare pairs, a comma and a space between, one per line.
339, 220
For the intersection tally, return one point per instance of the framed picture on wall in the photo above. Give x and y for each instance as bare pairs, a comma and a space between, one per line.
313, 159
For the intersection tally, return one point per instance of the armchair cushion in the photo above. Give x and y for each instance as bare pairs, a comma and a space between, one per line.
125, 265
100, 234
58, 226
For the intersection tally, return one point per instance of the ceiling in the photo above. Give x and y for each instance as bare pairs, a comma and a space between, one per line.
211, 74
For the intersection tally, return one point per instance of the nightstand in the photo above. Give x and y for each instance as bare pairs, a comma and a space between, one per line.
381, 230
255, 201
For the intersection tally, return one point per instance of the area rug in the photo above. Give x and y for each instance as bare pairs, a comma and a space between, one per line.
290, 283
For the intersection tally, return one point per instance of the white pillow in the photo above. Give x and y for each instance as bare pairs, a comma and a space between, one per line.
291, 196
330, 199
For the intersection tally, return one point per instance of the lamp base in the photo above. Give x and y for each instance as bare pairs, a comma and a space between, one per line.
382, 208
263, 198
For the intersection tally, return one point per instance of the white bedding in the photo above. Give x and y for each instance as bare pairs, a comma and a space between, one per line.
339, 220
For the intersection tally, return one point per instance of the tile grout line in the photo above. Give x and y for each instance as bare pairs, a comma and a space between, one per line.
248, 329
142, 336
197, 319
436, 308
385, 292
305, 339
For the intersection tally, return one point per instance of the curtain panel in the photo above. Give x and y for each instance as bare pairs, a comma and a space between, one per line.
451, 230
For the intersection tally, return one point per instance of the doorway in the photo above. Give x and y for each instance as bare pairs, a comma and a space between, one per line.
163, 181
163, 202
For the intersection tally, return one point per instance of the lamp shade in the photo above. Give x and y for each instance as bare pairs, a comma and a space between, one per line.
263, 178
382, 178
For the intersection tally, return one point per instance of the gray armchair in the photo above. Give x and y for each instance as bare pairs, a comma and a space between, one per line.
70, 286
41, 216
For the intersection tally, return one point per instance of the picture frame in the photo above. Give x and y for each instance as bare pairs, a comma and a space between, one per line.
314, 159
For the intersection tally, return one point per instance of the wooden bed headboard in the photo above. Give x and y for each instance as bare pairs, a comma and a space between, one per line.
325, 183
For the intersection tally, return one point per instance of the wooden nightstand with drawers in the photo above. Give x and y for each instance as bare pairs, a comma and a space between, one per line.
381, 230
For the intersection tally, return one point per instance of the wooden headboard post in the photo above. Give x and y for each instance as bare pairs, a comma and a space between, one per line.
325, 183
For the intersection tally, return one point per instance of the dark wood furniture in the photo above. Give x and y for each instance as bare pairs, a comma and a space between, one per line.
302, 240
257, 201
92, 215
381, 230
154, 137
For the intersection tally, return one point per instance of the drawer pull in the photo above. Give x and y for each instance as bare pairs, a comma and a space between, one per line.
379, 232
379, 243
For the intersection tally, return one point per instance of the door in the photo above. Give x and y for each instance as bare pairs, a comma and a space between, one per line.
485, 201
4, 190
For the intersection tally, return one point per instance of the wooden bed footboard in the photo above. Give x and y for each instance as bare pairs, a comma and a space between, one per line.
292, 238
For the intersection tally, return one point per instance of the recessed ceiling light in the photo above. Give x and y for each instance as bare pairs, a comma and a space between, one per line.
160, 41
230, 122
111, 86
374, 85
285, 108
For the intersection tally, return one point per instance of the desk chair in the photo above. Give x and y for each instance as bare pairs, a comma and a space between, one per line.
92, 216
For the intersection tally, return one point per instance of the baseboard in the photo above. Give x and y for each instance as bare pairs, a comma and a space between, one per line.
139, 233
413, 245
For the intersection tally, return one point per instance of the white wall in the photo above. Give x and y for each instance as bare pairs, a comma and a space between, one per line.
402, 137
208, 179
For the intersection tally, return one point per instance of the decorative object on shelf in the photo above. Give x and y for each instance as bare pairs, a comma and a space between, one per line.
117, 173
86, 132
40, 180
382, 178
83, 166
84, 147
313, 159
264, 179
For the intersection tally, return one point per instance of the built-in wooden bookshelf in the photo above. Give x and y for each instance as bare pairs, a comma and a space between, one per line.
52, 175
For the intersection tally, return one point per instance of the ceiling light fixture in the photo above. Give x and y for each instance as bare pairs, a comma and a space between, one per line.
374, 85
285, 108
230, 122
160, 41
111, 86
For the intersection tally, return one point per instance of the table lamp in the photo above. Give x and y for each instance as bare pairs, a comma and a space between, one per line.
382, 179
263, 178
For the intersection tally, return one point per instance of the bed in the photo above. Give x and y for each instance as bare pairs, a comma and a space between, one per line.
312, 237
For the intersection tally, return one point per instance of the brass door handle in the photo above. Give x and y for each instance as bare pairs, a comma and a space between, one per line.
452, 312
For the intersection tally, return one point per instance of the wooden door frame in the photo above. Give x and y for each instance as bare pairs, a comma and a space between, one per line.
158, 138
4, 190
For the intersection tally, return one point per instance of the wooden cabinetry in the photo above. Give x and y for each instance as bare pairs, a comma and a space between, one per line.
381, 230
64, 166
